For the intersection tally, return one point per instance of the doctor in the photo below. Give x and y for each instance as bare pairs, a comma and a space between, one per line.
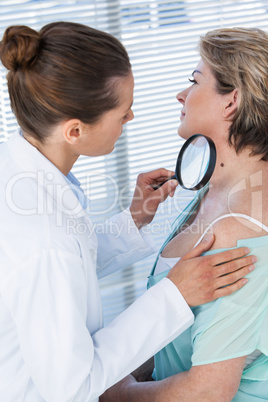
71, 89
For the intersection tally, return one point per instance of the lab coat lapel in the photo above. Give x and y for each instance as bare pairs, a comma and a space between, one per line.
49, 178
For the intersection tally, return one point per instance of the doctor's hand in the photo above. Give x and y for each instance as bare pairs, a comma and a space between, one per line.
146, 198
202, 279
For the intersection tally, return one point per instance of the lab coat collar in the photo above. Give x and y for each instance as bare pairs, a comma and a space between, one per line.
48, 176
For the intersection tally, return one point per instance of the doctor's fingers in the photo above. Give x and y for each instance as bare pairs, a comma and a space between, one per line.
227, 290
236, 266
233, 276
229, 256
229, 277
233, 273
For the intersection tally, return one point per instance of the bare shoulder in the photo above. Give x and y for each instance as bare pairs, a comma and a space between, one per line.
230, 229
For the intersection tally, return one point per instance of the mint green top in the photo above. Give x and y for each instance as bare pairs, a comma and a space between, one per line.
230, 327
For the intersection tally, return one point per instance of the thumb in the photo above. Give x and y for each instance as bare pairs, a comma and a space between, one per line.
167, 188
205, 245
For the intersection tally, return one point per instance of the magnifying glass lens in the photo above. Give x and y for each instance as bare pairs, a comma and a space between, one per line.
196, 162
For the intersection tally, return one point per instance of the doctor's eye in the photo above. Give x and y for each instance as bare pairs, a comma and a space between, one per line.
126, 117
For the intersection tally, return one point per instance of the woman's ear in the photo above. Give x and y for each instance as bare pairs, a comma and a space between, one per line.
232, 103
71, 131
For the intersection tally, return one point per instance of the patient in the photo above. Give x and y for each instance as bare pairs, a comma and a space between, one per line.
224, 355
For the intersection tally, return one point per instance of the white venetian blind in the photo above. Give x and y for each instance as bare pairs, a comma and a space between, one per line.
161, 38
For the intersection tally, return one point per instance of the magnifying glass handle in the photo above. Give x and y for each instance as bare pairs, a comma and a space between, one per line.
156, 186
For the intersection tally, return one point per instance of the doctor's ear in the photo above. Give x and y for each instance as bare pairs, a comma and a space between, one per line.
72, 131
232, 103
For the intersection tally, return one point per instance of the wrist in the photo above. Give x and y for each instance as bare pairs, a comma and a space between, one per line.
138, 220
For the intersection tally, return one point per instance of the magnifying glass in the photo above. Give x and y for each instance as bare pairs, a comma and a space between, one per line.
196, 162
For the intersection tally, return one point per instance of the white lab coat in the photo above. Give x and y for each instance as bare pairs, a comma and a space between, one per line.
52, 344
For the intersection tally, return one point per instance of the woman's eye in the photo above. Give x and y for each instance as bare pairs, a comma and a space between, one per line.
192, 80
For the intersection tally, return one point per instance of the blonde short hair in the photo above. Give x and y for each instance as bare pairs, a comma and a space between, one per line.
238, 58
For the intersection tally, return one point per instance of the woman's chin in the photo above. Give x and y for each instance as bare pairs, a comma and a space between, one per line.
184, 135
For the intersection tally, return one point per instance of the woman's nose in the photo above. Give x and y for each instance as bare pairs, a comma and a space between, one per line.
131, 117
181, 96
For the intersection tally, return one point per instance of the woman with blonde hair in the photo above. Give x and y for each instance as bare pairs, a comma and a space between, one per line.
224, 355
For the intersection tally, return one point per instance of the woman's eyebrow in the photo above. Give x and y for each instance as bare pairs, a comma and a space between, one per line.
196, 71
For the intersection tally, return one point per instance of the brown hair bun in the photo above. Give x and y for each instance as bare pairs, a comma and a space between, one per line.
66, 71
19, 47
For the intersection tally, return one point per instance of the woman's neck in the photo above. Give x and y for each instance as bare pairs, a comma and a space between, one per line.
55, 150
231, 168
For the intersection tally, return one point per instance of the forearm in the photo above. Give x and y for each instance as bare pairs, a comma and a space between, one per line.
175, 388
180, 387
120, 244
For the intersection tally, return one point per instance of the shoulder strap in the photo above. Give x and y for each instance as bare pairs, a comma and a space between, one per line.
249, 218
